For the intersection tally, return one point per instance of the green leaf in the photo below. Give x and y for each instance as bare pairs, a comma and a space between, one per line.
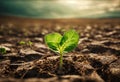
53, 41
29, 43
22, 42
62, 44
69, 41
2, 50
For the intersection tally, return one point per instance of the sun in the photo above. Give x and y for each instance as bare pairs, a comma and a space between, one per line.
68, 1
71, 1
81, 3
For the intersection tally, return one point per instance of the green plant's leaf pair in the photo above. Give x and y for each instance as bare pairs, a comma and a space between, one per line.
65, 43
2, 50
25, 43
22, 42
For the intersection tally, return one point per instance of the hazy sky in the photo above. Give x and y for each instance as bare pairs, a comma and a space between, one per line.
61, 8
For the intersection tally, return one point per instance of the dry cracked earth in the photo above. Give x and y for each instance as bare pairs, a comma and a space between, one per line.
96, 58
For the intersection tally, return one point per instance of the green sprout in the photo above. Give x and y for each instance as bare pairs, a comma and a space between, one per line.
22, 42
29, 43
2, 50
62, 44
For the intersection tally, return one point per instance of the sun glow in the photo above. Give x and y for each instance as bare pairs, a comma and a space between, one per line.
71, 1
79, 4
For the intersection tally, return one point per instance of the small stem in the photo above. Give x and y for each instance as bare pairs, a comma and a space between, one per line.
61, 59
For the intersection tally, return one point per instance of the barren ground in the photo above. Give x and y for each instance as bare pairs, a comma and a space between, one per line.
96, 58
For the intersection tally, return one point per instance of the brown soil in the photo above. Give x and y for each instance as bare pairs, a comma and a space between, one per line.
96, 58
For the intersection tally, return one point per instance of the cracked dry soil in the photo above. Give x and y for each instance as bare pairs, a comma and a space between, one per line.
96, 58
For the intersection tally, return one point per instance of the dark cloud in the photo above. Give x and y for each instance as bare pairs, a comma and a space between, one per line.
60, 8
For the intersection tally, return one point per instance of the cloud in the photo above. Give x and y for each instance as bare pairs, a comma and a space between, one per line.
59, 8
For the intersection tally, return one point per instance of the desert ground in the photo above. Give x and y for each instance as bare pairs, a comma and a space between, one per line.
95, 59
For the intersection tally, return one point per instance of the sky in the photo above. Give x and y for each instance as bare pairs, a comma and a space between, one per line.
61, 8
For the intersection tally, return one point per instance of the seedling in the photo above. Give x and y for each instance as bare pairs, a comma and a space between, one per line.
29, 43
22, 42
62, 44
2, 50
